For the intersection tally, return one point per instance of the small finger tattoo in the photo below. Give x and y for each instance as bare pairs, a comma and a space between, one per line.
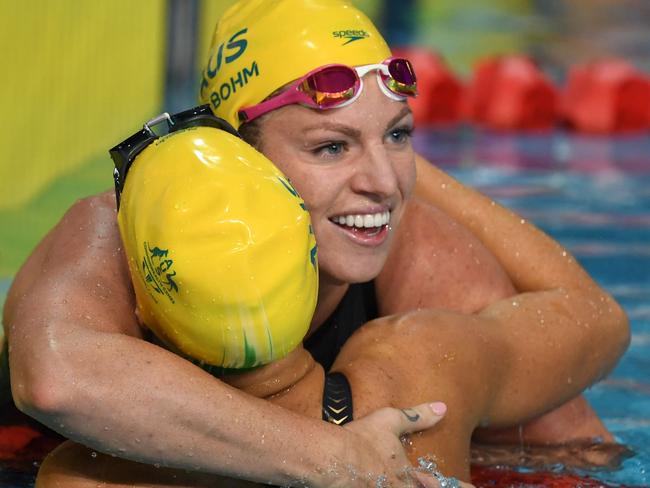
412, 415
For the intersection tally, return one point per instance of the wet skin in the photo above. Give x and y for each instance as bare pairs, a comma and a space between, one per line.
465, 277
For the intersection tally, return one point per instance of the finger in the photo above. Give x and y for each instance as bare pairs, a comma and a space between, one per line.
419, 418
426, 480
429, 481
408, 420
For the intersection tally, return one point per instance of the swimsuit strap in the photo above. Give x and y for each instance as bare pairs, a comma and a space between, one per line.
337, 399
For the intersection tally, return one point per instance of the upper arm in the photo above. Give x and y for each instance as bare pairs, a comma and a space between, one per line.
437, 263
77, 277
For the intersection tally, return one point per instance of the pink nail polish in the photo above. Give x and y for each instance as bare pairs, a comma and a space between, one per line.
438, 408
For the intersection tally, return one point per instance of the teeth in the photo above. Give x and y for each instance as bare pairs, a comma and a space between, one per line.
363, 221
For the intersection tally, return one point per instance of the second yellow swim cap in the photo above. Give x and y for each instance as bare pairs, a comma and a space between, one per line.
261, 45
220, 247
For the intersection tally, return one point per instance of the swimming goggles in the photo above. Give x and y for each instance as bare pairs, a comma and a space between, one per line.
338, 85
126, 151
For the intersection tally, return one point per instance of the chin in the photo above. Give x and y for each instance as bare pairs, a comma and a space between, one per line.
353, 270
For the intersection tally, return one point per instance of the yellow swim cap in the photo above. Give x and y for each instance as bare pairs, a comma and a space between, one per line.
220, 249
261, 45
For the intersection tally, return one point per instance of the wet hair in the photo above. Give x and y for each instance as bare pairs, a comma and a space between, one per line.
251, 132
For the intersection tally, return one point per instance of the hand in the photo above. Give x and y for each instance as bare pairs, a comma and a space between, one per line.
382, 431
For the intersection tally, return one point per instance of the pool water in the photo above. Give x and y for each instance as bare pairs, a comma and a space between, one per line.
593, 195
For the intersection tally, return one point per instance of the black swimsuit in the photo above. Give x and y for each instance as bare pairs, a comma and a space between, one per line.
358, 306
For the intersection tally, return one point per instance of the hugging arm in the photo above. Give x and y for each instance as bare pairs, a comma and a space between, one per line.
505, 364
427, 242
561, 317
510, 360
79, 364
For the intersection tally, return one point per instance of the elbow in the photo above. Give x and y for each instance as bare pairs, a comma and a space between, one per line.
41, 392
622, 329
617, 332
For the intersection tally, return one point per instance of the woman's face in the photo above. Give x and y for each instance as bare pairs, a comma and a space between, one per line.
354, 167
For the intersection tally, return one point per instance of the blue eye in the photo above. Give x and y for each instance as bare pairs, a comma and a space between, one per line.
330, 149
401, 134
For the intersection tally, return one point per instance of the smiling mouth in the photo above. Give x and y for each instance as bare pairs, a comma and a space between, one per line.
363, 225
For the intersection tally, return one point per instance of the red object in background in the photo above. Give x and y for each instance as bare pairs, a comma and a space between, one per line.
487, 477
607, 97
23, 441
15, 438
440, 93
512, 93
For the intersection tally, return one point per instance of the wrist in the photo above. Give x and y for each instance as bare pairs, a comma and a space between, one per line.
341, 462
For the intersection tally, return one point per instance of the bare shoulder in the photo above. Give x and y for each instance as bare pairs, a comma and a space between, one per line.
437, 263
80, 261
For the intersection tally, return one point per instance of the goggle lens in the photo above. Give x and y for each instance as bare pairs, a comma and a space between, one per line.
402, 78
402, 71
331, 86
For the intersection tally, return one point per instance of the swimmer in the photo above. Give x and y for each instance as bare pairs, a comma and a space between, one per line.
80, 364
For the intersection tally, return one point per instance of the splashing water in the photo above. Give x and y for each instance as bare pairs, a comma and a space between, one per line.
429, 466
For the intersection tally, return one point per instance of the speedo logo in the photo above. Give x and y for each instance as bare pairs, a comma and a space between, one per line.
351, 35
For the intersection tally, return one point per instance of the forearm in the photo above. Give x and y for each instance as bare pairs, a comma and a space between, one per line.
153, 407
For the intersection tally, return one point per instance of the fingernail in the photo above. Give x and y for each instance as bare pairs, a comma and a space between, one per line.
438, 408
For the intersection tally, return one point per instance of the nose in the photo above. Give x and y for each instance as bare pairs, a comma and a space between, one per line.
376, 174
